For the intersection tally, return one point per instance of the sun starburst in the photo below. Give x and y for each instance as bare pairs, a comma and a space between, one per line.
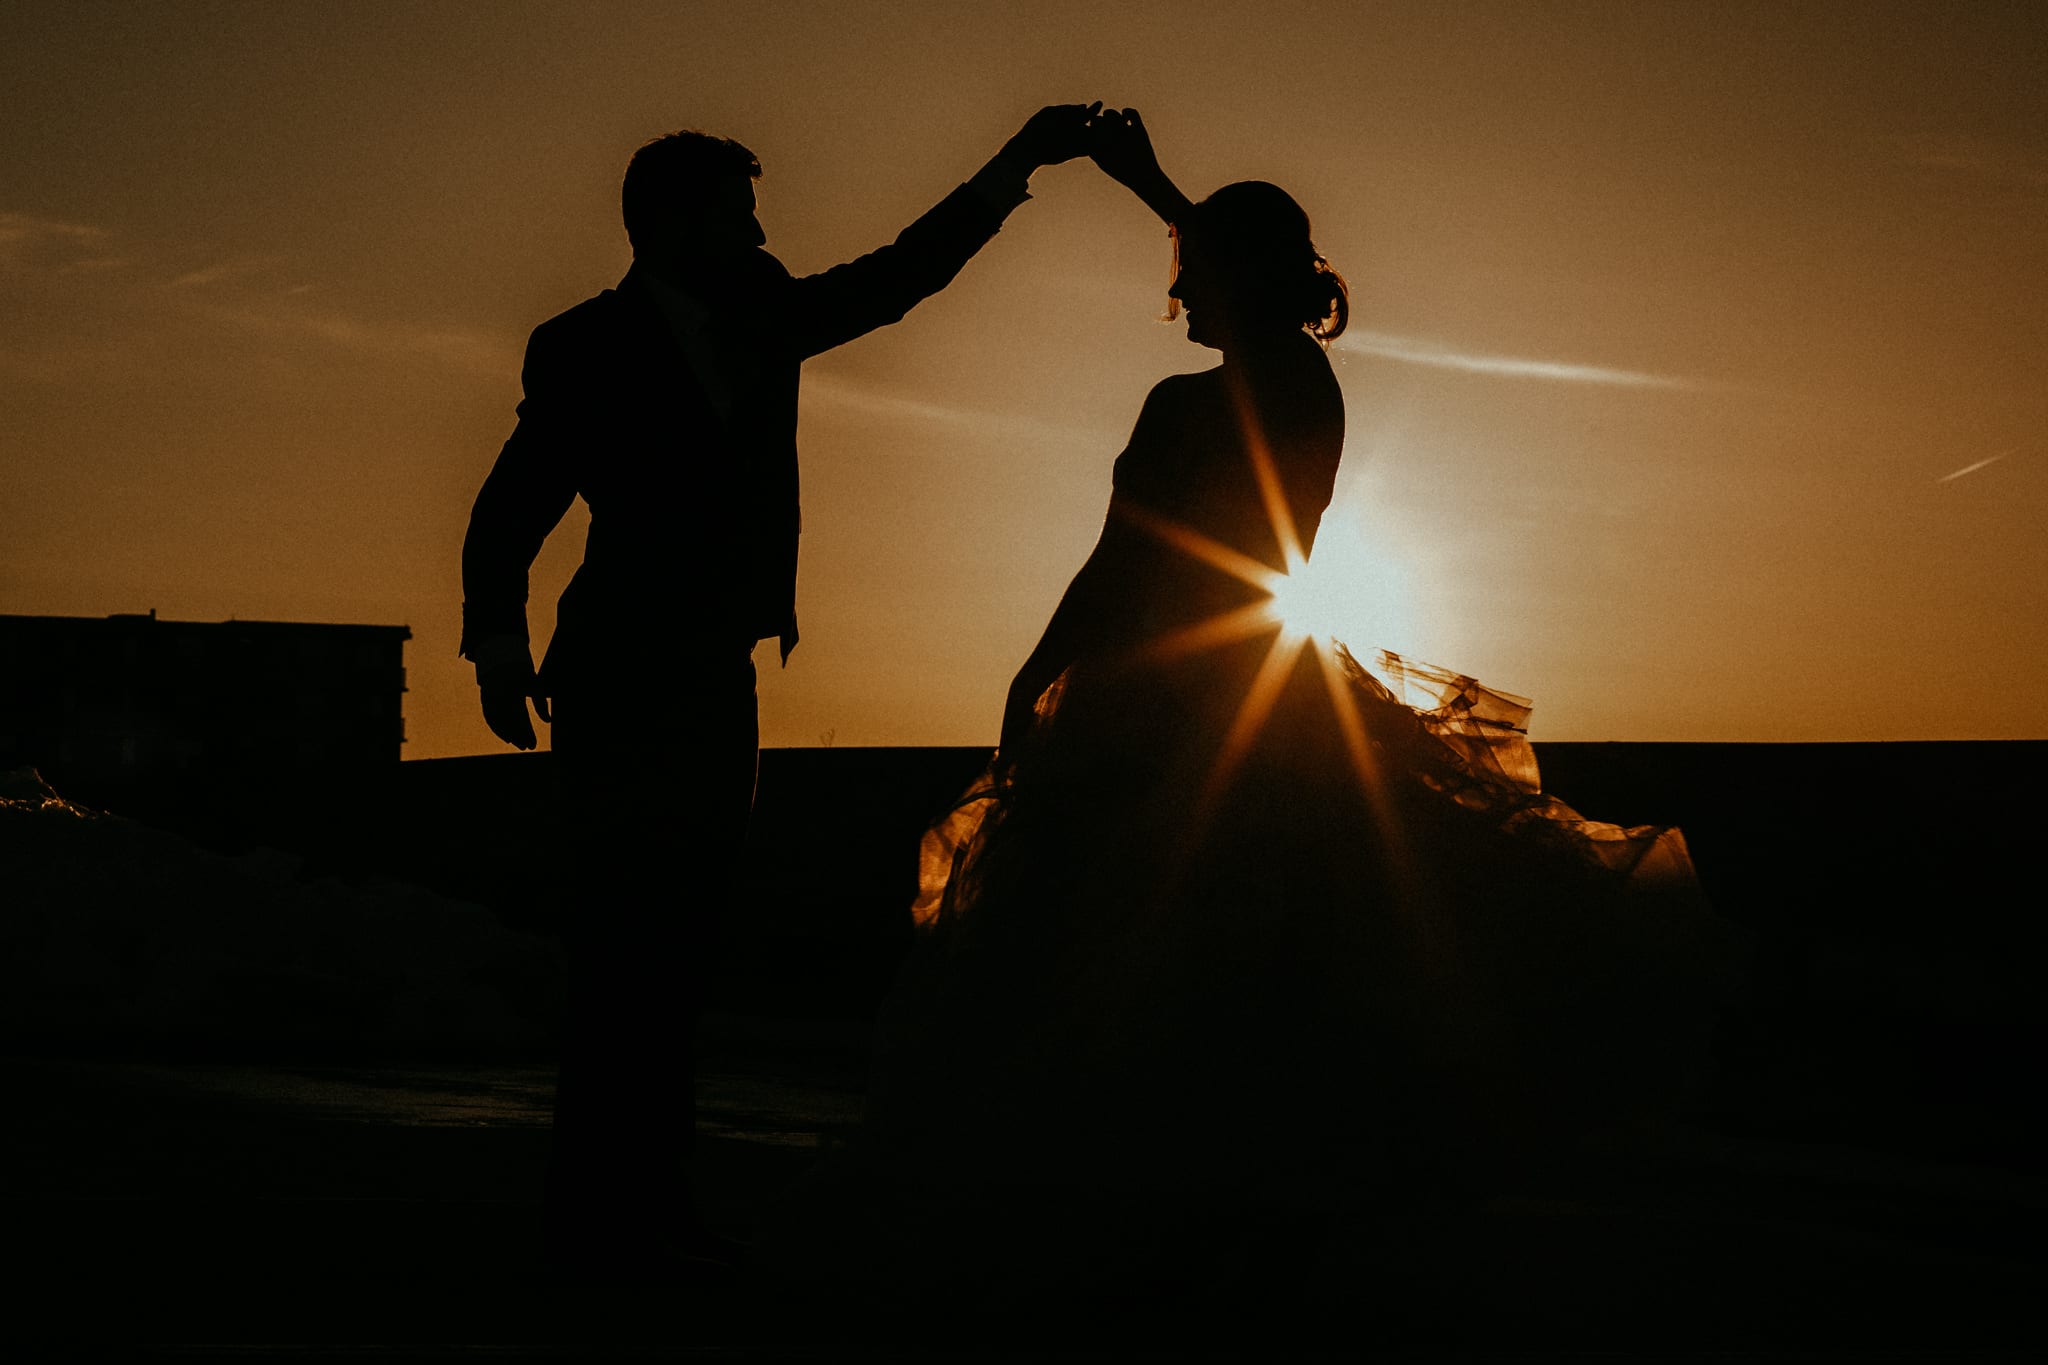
1301, 610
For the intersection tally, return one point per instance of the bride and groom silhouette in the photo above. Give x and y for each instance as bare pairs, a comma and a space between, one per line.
1231, 922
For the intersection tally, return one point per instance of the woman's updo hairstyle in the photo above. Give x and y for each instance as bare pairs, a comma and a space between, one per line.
1254, 235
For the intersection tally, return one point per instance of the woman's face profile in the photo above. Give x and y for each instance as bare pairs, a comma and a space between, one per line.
1197, 300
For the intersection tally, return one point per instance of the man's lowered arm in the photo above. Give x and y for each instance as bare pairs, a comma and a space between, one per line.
524, 498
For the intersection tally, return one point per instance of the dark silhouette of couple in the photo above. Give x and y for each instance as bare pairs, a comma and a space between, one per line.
1210, 873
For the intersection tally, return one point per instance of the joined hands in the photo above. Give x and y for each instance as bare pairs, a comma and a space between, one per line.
1056, 133
1114, 139
1119, 144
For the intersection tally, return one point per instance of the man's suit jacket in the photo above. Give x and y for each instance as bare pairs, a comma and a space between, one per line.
693, 517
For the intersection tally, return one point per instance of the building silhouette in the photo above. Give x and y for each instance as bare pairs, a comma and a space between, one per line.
131, 705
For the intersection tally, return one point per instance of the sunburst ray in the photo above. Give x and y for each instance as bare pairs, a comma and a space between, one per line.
1290, 637
1212, 632
1194, 544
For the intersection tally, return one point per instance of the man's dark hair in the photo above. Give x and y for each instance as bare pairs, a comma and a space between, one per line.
674, 171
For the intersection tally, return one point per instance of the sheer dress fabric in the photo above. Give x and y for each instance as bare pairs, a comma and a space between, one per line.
1355, 967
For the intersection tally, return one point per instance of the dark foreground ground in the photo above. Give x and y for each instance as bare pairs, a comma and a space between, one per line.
1868, 1184
202, 1210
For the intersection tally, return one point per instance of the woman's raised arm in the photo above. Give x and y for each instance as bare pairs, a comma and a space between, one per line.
1119, 144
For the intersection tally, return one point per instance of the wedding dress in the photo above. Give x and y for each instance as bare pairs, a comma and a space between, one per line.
1374, 944
1244, 927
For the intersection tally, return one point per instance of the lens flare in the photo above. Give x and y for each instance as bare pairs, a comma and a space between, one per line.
1303, 608
1350, 589
1304, 604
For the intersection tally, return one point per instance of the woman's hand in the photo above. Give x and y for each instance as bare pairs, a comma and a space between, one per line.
1119, 144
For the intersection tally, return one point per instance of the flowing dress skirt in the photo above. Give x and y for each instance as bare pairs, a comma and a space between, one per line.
1264, 934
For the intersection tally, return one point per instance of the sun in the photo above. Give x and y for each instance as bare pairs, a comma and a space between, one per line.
1316, 606
1304, 603
1344, 592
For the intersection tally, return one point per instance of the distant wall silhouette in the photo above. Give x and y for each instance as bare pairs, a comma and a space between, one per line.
134, 711
1814, 846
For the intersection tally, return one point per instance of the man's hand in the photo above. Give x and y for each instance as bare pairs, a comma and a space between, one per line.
505, 679
1056, 133
505, 712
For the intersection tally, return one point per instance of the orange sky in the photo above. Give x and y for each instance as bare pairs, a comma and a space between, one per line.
1671, 323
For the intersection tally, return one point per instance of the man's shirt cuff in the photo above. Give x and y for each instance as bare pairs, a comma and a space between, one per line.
495, 653
1001, 185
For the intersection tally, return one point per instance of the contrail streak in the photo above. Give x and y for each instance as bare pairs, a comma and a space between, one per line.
1973, 468
1417, 352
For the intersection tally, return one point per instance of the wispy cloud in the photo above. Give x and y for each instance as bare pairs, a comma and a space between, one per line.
1999, 163
1415, 351
845, 393
842, 393
1973, 468
26, 239
466, 348
218, 272
247, 293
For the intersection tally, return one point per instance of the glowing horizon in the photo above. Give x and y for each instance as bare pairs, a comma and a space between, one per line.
1687, 359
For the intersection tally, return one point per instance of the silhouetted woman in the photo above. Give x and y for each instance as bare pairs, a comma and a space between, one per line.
1226, 467
1109, 921
1230, 932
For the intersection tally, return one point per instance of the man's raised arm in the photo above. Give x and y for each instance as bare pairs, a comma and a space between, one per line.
850, 300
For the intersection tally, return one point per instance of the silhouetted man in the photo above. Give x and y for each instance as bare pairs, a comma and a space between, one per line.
669, 405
